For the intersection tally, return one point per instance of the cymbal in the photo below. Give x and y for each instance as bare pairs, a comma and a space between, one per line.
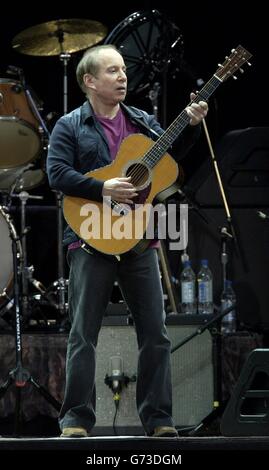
55, 37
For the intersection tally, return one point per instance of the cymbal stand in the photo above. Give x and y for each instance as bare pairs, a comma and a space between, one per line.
19, 375
61, 282
64, 58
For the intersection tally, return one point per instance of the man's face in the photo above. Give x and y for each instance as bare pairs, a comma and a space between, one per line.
110, 83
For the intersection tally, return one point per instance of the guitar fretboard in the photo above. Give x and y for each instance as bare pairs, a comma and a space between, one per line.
156, 152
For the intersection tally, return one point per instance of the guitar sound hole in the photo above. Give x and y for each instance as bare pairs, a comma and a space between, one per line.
139, 174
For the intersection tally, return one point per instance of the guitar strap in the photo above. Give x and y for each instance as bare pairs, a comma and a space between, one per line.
143, 124
138, 121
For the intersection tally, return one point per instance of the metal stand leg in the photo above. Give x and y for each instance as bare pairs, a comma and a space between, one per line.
167, 277
19, 375
61, 282
26, 271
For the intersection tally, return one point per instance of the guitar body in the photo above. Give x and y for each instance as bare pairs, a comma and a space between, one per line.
128, 223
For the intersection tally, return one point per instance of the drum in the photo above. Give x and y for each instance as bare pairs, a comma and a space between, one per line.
6, 257
20, 140
149, 43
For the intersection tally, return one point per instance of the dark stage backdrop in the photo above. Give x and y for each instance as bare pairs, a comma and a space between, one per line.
209, 33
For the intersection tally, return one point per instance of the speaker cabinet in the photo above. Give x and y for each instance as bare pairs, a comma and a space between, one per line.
243, 157
192, 378
247, 411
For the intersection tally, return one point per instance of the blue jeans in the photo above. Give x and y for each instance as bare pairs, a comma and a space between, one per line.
92, 276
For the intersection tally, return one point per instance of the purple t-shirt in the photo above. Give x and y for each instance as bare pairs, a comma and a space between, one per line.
116, 130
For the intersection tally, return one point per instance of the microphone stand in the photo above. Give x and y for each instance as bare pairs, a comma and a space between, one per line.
116, 381
224, 199
216, 334
214, 324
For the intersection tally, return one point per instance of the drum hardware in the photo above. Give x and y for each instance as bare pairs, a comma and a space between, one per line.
17, 88
16, 72
20, 135
53, 298
42, 128
18, 177
26, 271
6, 272
21, 178
61, 282
19, 375
34, 306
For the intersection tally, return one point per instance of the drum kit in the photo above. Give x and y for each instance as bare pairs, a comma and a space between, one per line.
24, 141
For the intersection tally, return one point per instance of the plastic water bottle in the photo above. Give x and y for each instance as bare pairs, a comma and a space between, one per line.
205, 289
228, 322
188, 289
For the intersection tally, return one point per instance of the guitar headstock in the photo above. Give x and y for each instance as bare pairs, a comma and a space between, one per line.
234, 62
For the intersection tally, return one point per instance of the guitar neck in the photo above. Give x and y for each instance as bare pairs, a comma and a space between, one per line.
156, 152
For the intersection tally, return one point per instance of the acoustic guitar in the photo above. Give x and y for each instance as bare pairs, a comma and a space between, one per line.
115, 228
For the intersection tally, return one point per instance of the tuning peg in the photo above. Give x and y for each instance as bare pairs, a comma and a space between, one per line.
241, 70
234, 77
220, 65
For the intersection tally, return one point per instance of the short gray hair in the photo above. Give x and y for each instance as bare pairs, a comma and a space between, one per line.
89, 63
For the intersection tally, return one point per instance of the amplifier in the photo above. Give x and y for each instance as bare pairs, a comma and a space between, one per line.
192, 377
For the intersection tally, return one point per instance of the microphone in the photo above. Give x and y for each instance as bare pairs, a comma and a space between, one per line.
116, 373
116, 379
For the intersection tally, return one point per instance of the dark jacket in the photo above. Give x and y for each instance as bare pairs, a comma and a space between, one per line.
78, 145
